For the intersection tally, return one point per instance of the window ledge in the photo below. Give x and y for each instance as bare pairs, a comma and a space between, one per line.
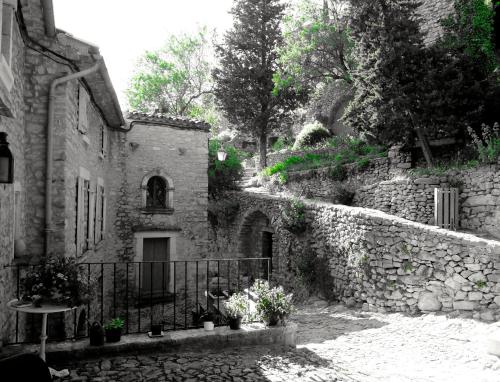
158, 211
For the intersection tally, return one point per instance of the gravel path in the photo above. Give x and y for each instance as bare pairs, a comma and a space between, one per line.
335, 344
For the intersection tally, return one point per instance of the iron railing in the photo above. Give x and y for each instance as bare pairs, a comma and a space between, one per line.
173, 293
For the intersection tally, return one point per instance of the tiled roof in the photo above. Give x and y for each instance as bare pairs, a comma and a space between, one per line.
163, 119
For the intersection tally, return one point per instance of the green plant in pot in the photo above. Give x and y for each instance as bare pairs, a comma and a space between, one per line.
113, 330
273, 304
57, 280
236, 308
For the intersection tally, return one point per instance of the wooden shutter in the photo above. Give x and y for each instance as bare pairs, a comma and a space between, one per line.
80, 201
98, 217
91, 215
104, 205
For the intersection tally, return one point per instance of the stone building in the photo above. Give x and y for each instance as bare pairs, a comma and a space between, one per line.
88, 183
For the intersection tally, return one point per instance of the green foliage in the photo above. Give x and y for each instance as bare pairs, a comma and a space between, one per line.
59, 280
316, 46
338, 172
273, 304
280, 144
404, 89
175, 79
347, 150
237, 305
247, 65
310, 135
470, 30
487, 143
223, 175
388, 46
115, 323
480, 284
407, 267
363, 163
293, 216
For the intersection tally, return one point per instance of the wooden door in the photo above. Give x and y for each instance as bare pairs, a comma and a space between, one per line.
267, 251
155, 276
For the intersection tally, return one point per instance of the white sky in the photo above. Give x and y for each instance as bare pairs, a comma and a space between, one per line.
124, 29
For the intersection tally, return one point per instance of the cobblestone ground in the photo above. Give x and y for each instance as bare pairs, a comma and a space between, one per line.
335, 344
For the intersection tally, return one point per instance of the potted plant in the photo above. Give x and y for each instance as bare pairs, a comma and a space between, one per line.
273, 304
113, 330
208, 321
157, 325
236, 307
57, 280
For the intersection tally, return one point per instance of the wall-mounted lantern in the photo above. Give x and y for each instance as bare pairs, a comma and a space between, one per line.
221, 154
6, 161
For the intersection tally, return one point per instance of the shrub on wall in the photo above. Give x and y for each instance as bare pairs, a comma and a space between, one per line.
293, 216
223, 175
311, 134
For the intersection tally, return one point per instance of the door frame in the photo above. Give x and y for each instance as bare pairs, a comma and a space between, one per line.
139, 250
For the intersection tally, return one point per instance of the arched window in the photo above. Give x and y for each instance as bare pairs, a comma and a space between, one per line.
156, 196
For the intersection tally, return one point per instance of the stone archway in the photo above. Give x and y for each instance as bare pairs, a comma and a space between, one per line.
256, 240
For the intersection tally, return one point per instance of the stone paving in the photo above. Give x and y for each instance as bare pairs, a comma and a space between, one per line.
334, 344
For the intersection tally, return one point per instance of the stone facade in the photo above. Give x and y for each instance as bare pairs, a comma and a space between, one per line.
99, 164
379, 261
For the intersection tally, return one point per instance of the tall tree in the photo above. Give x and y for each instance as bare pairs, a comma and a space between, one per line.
248, 62
317, 47
387, 80
175, 79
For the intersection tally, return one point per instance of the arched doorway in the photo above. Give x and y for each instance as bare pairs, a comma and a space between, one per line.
256, 240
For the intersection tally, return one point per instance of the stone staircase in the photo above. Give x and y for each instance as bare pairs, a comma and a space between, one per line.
249, 172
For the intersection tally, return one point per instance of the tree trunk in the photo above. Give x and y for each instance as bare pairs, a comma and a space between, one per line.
263, 151
426, 148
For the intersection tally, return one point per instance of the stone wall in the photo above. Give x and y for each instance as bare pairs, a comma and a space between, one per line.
12, 217
413, 198
181, 156
379, 261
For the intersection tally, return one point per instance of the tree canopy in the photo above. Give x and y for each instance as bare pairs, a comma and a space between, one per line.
317, 47
247, 65
175, 79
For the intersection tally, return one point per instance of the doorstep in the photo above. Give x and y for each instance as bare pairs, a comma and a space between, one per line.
174, 341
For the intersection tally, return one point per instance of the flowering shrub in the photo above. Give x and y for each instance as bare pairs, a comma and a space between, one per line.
59, 280
236, 306
273, 305
488, 143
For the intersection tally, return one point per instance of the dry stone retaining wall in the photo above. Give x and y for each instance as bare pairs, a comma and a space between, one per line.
382, 262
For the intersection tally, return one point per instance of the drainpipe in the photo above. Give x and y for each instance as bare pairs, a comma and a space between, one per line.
49, 229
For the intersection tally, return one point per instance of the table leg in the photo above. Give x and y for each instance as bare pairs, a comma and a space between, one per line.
43, 336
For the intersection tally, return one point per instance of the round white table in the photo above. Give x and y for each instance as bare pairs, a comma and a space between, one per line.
44, 310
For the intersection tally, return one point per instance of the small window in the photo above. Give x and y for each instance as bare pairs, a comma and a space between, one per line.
156, 193
83, 100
